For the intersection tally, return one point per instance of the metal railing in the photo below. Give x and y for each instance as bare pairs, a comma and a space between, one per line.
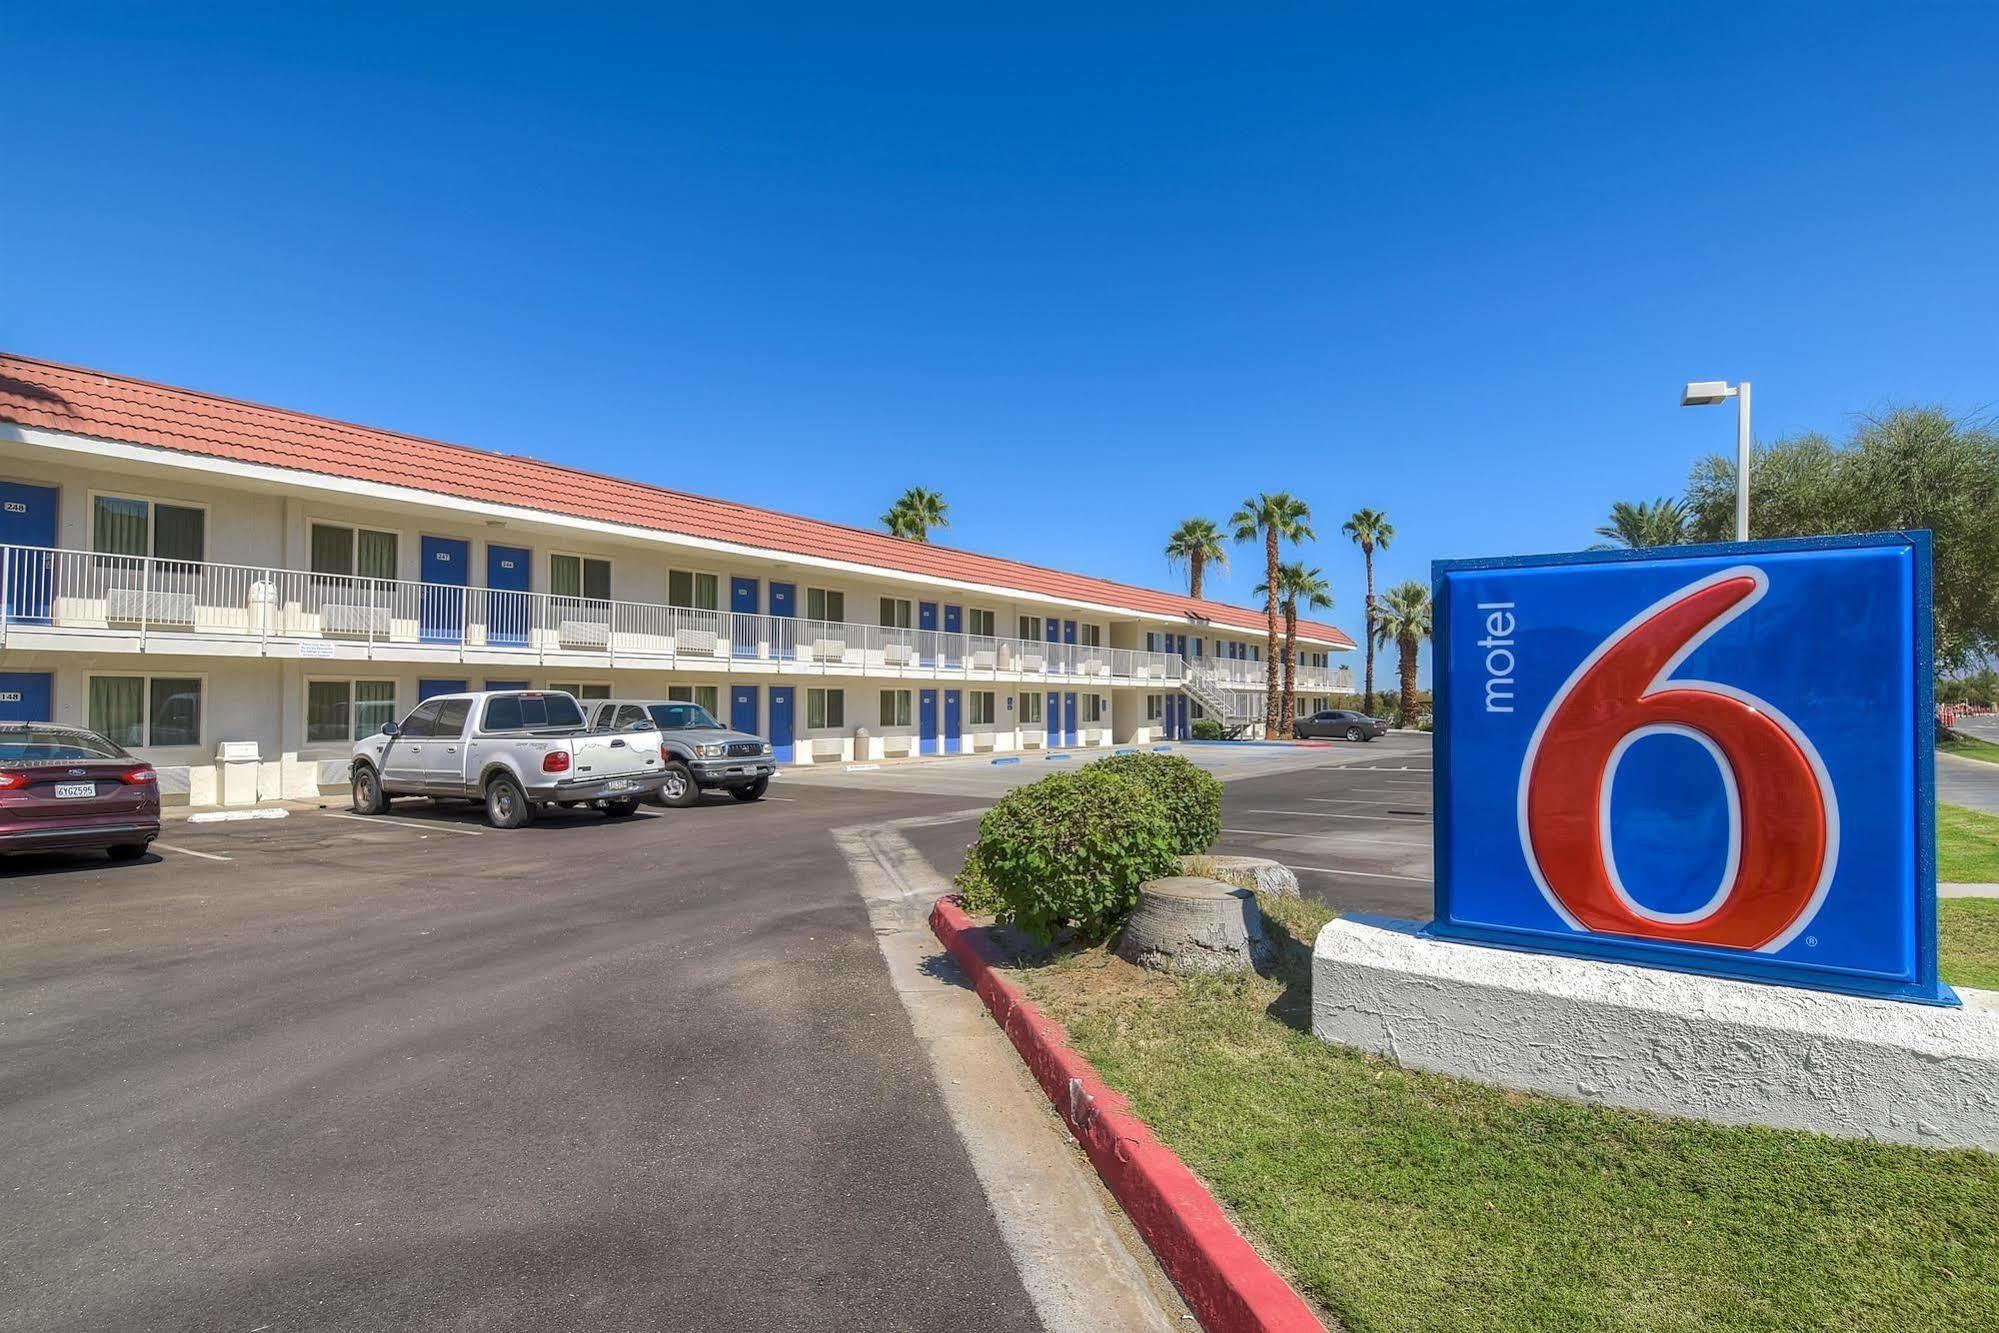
40, 586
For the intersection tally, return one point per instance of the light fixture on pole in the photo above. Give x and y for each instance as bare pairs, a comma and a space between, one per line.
1703, 393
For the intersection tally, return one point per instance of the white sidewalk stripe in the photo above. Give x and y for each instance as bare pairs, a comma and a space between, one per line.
1364, 874
189, 851
406, 823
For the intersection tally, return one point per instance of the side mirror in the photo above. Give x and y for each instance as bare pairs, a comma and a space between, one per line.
391, 730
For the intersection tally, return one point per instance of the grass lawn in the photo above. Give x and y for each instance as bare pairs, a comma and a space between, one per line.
1968, 938
1967, 846
1971, 748
1401, 1200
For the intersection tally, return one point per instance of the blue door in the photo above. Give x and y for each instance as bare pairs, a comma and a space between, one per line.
1068, 631
953, 732
499, 685
1052, 715
27, 696
743, 703
507, 603
926, 721
954, 625
926, 637
28, 518
441, 615
1070, 735
780, 723
1178, 703
743, 627
784, 605
426, 689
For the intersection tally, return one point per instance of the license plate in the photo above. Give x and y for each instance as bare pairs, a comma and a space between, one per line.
618, 784
66, 790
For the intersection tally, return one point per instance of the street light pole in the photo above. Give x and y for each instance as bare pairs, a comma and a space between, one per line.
1704, 393
1742, 461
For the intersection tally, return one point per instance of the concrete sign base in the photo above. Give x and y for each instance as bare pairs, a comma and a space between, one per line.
1729, 1051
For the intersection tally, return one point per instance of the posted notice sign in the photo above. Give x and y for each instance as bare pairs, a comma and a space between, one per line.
1710, 758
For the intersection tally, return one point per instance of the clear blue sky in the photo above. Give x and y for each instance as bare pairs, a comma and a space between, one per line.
1086, 272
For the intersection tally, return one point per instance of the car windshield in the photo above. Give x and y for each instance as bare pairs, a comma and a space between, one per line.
680, 717
41, 743
520, 712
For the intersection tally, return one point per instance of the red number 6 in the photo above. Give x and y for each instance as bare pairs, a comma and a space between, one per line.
1783, 818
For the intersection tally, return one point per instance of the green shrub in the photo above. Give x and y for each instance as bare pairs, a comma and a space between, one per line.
1073, 848
976, 891
1192, 796
1207, 729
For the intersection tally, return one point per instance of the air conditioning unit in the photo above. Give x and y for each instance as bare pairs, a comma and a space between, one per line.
340, 618
585, 633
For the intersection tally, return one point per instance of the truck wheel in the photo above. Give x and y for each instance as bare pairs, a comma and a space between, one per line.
679, 789
754, 792
506, 804
622, 807
369, 798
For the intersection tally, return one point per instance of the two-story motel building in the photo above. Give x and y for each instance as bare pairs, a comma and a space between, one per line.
232, 590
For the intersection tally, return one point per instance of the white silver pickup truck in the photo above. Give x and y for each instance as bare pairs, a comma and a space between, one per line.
517, 750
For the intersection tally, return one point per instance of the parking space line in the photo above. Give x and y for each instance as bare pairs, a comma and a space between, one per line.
405, 823
1327, 814
1352, 800
1364, 874
189, 851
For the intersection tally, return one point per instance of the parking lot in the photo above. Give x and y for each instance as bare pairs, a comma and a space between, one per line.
327, 1071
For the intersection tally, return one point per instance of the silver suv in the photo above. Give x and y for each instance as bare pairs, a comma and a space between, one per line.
700, 753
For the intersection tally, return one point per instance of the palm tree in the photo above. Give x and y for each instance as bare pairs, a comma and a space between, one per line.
1271, 516
1661, 522
1297, 586
915, 513
1403, 619
1197, 542
1371, 531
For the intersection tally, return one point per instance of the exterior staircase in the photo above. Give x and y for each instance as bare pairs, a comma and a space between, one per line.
1216, 699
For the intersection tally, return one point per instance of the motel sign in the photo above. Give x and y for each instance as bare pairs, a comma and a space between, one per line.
1713, 759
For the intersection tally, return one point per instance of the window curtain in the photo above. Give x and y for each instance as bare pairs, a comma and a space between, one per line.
374, 704
176, 711
180, 534
377, 555
332, 550
565, 576
117, 709
326, 710
118, 527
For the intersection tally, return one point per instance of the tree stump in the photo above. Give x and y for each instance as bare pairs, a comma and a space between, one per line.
1245, 872
1190, 924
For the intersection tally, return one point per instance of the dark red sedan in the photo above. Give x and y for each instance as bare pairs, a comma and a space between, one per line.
64, 788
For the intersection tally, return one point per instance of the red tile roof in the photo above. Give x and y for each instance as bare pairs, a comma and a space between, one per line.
113, 407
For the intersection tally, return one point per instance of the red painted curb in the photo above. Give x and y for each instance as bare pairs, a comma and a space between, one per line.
1225, 1283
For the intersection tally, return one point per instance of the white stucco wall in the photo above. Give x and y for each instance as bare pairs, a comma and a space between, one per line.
1728, 1051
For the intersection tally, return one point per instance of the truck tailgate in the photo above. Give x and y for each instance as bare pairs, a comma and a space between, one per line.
616, 754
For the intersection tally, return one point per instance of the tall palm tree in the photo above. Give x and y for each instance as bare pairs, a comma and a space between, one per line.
1661, 522
1297, 586
915, 513
1371, 531
1197, 543
1403, 619
1271, 516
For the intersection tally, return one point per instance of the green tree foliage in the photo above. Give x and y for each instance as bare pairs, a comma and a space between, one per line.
1661, 522
1370, 530
1197, 543
1192, 796
1271, 517
1072, 849
1403, 619
1913, 467
916, 512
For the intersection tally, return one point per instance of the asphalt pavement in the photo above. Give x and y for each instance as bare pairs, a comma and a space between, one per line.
325, 1072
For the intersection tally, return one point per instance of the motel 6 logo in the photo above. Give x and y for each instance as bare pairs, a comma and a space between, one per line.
1783, 819
1710, 759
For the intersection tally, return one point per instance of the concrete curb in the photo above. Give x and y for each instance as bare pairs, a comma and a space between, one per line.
1225, 1283
1968, 890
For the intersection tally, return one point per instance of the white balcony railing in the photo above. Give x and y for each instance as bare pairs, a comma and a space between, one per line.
82, 590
